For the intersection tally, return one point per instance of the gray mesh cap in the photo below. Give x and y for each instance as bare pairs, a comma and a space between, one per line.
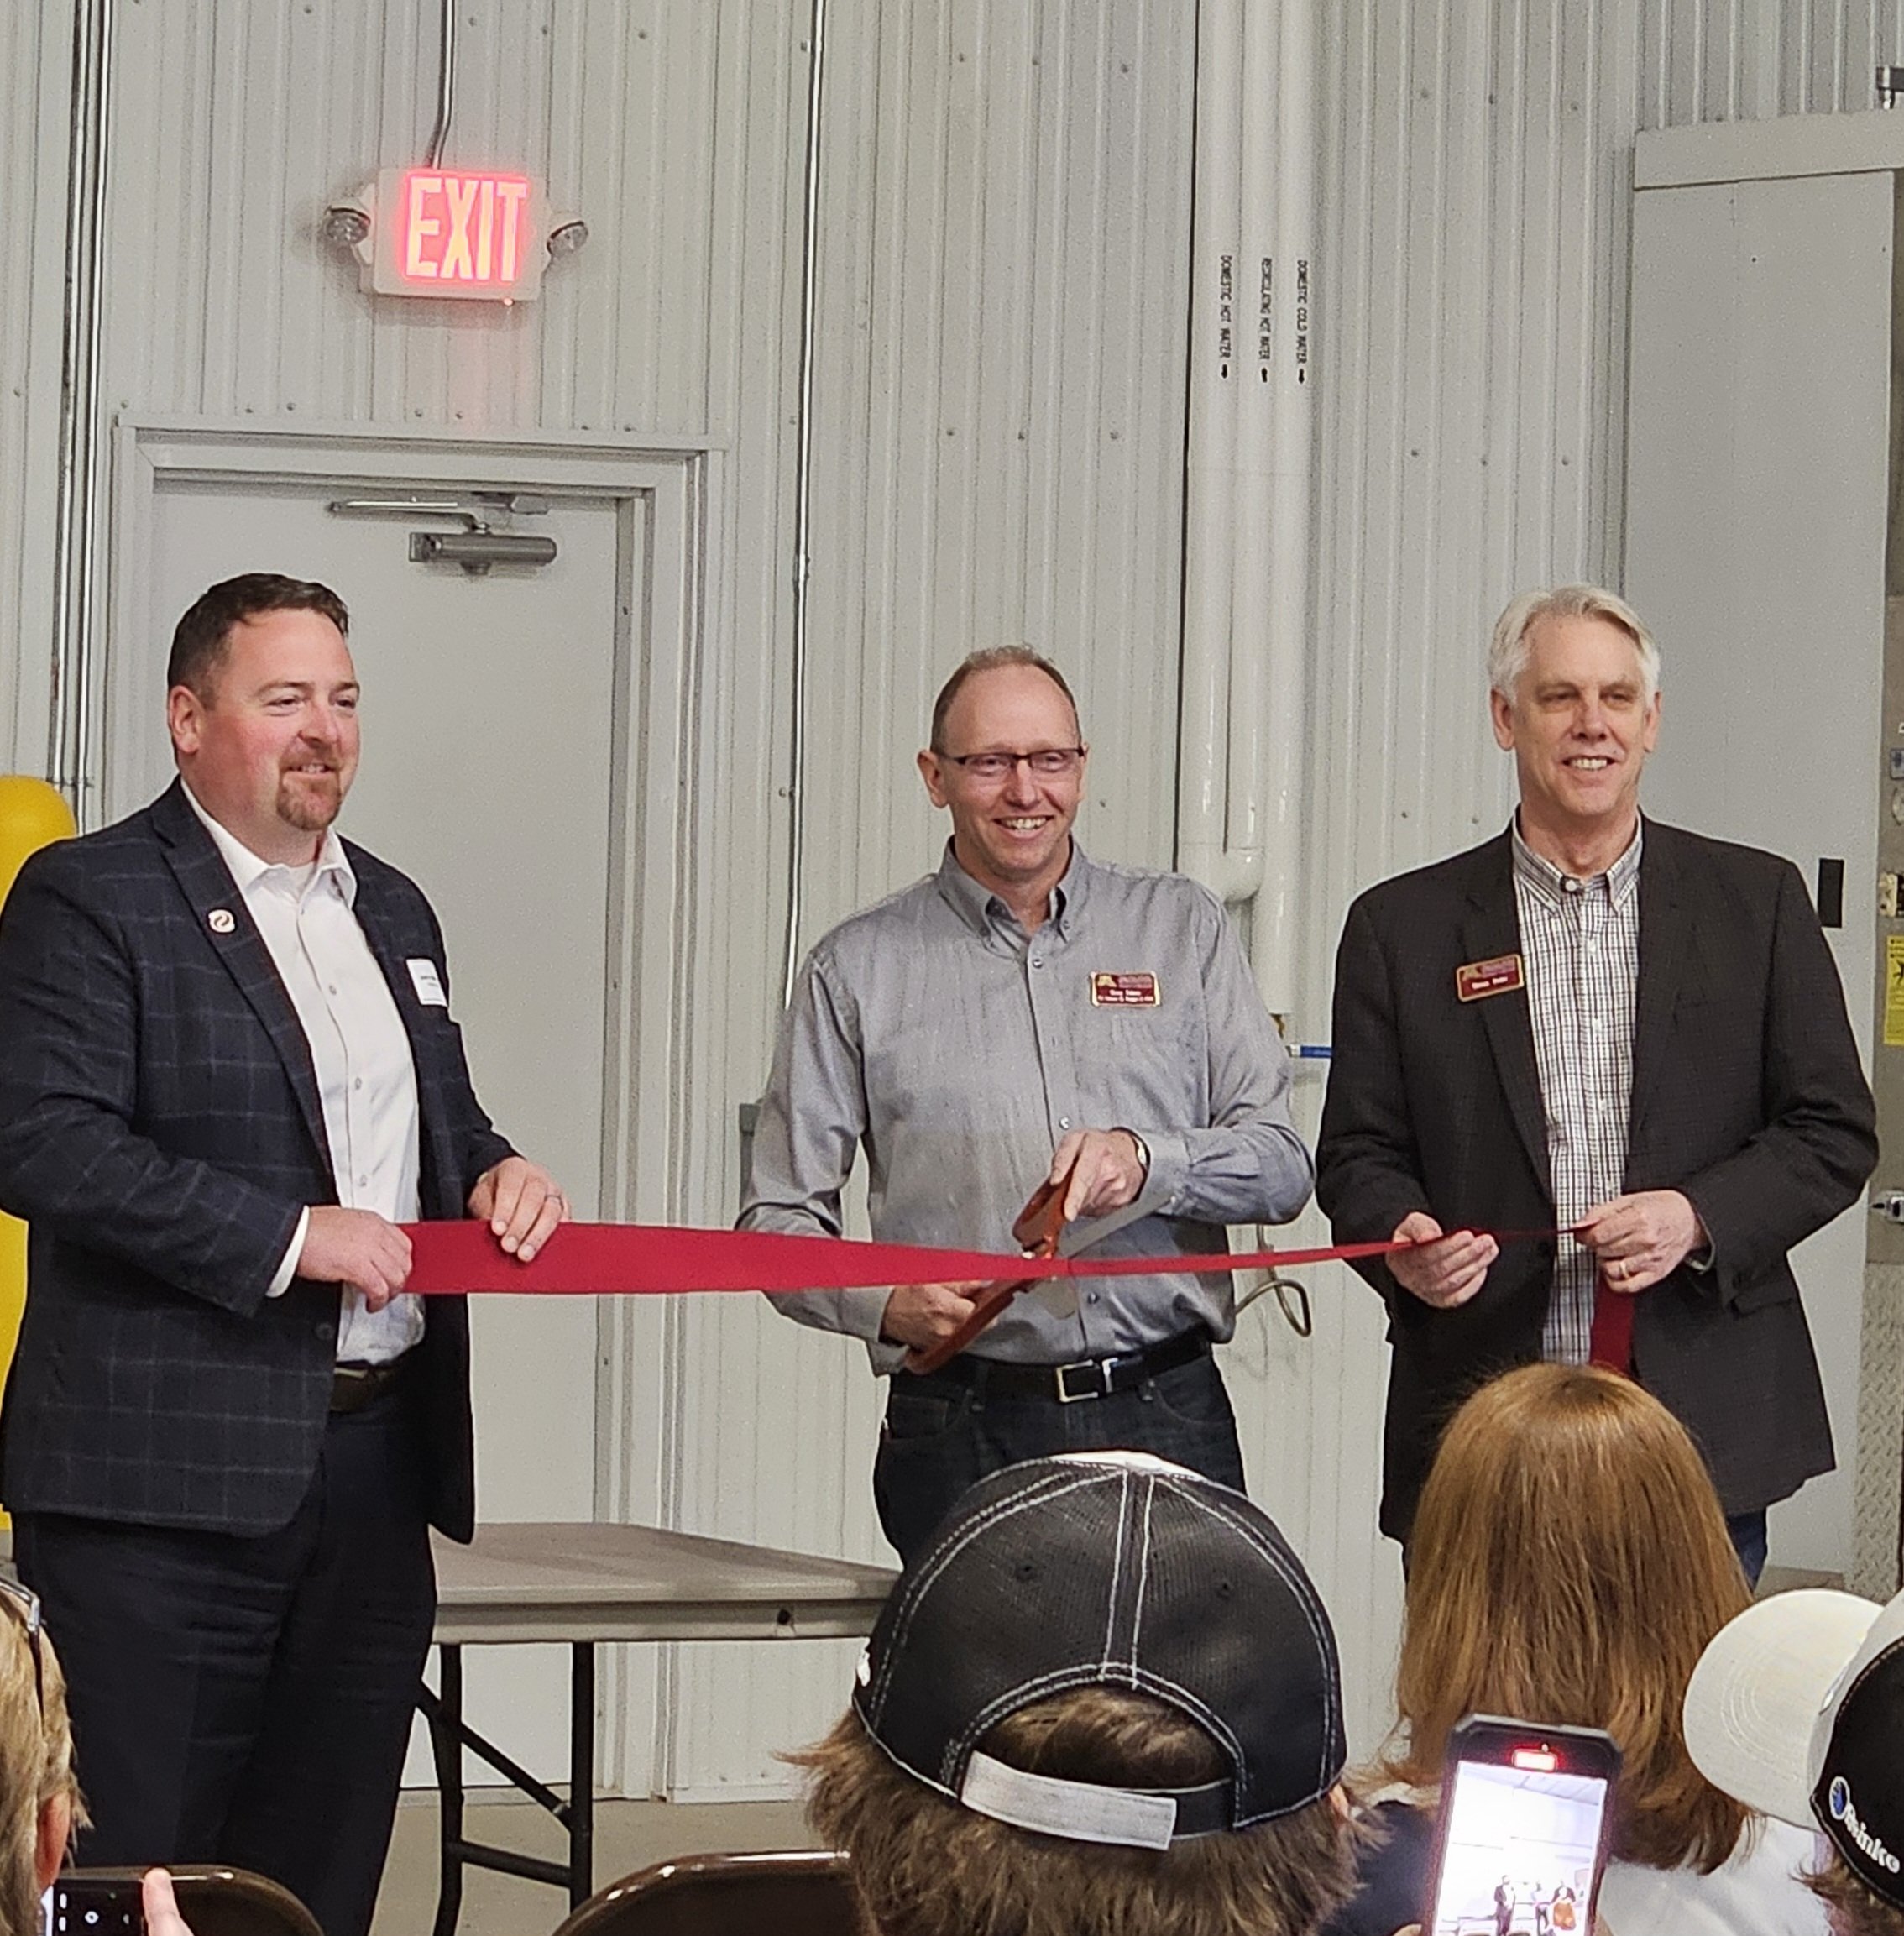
1112, 1570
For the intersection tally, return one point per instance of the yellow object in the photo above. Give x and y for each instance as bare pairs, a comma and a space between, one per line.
1894, 990
33, 815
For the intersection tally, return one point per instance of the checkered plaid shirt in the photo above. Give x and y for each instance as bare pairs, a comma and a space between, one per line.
1580, 939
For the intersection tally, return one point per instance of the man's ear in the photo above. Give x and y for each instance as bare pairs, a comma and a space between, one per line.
933, 772
185, 713
1502, 713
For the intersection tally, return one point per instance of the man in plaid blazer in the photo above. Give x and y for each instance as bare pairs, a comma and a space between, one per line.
1620, 1030
227, 1075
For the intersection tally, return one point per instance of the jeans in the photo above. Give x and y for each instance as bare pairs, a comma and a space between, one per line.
941, 1435
1748, 1534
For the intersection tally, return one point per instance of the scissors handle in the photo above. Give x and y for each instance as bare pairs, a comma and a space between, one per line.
1036, 1230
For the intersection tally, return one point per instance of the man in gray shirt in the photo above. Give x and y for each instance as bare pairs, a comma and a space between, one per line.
1023, 1013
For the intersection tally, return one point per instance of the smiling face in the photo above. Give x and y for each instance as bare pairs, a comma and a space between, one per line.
1011, 835
270, 750
1580, 727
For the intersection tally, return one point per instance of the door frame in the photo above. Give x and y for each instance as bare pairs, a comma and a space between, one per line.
670, 489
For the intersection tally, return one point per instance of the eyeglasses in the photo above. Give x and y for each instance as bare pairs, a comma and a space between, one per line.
26, 1602
1048, 762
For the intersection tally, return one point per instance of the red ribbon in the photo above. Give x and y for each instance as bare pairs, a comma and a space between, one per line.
648, 1259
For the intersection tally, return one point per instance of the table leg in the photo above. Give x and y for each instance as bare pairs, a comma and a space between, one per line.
581, 1774
446, 1748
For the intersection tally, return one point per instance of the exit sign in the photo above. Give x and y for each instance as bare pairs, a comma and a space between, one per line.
476, 234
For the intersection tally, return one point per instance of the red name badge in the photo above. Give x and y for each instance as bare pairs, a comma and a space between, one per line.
1500, 975
1124, 991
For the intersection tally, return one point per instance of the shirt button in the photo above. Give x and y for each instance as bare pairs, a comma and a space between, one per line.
332, 986
358, 1083
363, 1183
1064, 1123
1038, 960
326, 1331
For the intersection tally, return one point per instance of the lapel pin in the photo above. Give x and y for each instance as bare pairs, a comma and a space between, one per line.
220, 921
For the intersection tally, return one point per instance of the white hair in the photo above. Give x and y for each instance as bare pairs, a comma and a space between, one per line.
1508, 650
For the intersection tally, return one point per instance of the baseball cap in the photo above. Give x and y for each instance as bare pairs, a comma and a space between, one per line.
1797, 1709
1112, 1570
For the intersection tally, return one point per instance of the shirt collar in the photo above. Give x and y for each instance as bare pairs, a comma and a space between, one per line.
978, 906
248, 869
1552, 886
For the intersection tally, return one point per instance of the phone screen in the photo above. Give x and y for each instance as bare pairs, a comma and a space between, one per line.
1520, 1849
92, 1906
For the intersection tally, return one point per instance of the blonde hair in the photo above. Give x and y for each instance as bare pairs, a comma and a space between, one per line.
1507, 650
923, 1865
1568, 1564
36, 1765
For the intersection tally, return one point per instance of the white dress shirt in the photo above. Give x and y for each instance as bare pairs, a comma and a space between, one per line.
366, 1078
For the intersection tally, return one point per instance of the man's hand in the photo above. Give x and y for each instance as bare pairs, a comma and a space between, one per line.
1445, 1270
1106, 1171
923, 1315
161, 1906
357, 1249
522, 1203
1641, 1238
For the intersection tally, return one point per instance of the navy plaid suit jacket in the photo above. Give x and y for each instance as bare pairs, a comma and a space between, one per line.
1747, 1096
160, 1129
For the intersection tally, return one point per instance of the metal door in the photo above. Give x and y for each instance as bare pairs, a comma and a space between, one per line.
489, 775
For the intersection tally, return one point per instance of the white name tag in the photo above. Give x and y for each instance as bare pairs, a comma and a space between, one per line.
428, 983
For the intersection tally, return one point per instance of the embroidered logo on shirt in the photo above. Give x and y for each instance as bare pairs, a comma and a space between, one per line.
220, 921
1500, 974
1125, 991
427, 982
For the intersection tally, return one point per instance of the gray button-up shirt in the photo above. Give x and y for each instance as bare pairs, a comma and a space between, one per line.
959, 1050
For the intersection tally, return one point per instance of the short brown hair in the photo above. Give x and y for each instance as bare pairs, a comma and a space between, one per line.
925, 1865
1855, 1908
201, 641
1569, 1563
991, 660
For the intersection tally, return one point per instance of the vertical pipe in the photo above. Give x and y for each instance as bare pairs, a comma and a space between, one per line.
446, 84
1218, 340
75, 550
802, 517
1273, 931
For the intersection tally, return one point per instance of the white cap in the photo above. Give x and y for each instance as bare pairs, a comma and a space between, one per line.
1763, 1703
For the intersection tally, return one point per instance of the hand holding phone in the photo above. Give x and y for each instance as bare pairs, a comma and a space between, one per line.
1526, 1811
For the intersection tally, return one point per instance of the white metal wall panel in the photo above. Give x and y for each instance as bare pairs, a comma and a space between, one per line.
35, 79
1000, 383
998, 456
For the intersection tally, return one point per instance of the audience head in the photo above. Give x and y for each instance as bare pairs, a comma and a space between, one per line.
1568, 1563
1797, 1709
38, 1792
1106, 1697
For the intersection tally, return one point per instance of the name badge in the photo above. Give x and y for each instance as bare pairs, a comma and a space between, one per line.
1125, 991
1500, 975
427, 983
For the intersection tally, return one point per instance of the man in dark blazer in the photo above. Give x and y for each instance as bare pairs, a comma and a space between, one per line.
227, 1075
1607, 1027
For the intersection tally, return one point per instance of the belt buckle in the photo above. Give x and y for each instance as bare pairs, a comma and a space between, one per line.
1101, 1366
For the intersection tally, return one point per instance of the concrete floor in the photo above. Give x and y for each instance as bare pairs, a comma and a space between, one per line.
629, 1835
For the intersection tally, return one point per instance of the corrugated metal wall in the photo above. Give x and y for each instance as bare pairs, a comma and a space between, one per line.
999, 395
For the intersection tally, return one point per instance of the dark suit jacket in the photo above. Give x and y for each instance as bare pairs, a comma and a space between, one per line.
1747, 1096
159, 1130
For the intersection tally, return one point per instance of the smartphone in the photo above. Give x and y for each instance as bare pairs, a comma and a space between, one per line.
1525, 1815
92, 1906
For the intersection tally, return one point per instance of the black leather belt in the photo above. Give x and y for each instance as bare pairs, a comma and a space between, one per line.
354, 1386
1067, 1383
